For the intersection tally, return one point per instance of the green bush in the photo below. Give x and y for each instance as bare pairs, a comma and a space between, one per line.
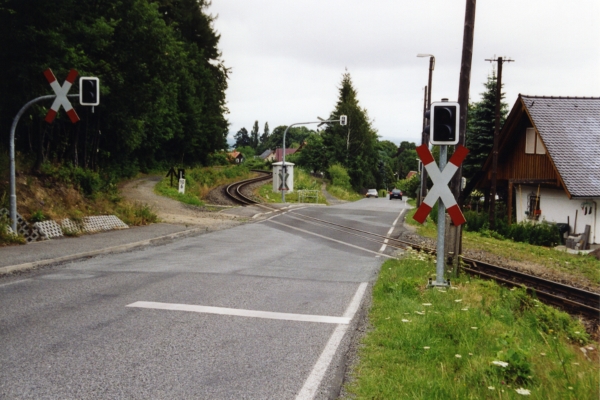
540, 234
476, 221
410, 186
255, 163
217, 159
38, 216
339, 176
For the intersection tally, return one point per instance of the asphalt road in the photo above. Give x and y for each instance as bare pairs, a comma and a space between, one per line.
259, 311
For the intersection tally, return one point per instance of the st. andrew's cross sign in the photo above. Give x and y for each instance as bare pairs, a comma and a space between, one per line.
61, 96
440, 187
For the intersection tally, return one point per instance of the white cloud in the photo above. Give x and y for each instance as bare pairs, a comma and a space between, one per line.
287, 58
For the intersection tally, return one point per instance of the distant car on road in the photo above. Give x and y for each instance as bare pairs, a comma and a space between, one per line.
396, 194
372, 193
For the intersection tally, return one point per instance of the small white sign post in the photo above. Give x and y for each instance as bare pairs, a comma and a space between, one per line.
182, 186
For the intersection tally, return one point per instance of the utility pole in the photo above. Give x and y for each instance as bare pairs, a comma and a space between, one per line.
424, 140
425, 136
463, 101
500, 61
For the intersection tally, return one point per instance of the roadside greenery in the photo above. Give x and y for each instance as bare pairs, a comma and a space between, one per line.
583, 266
200, 181
476, 340
162, 77
302, 181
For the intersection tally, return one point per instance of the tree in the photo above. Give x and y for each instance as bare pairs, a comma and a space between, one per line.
295, 134
480, 129
254, 136
162, 80
264, 138
353, 145
313, 156
242, 138
407, 159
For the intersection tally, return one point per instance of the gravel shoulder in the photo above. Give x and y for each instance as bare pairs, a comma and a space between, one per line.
171, 211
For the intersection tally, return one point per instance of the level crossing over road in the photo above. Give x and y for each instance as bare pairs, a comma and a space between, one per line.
264, 310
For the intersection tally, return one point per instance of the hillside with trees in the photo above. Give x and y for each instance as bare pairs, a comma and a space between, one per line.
162, 82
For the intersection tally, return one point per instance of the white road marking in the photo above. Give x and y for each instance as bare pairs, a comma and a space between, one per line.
242, 313
312, 383
331, 239
385, 242
15, 282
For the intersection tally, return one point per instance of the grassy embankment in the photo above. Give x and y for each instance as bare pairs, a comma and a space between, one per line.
200, 181
477, 340
58, 191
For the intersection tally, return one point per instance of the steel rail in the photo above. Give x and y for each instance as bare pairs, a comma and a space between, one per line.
233, 190
555, 293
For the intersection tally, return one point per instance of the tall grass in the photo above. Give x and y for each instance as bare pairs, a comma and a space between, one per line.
200, 181
452, 344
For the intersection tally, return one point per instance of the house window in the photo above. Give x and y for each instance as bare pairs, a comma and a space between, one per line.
533, 210
533, 143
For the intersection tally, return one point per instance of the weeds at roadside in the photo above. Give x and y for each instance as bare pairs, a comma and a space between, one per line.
474, 340
136, 214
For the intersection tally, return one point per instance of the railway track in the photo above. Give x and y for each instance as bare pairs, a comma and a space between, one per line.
571, 299
233, 191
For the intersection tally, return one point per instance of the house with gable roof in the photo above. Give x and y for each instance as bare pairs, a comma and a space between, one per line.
549, 162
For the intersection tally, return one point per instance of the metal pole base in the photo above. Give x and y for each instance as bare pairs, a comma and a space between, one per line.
432, 284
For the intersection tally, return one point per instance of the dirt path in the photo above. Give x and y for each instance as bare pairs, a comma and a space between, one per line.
174, 212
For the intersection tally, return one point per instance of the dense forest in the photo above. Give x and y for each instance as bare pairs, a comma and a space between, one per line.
161, 74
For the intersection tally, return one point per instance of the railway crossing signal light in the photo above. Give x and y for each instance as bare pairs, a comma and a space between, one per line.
89, 91
444, 119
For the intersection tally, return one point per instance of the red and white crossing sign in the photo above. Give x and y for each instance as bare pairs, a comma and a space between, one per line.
440, 187
61, 96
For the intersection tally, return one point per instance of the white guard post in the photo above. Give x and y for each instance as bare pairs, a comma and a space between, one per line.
277, 177
182, 186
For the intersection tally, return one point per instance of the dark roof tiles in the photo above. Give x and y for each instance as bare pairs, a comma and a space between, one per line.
570, 130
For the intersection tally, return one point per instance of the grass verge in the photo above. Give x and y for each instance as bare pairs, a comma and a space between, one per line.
343, 193
475, 341
583, 266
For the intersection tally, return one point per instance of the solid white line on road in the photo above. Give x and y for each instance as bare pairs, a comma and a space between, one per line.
242, 313
328, 238
312, 383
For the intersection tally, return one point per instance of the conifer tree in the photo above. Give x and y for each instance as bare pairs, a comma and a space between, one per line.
480, 128
353, 145
254, 136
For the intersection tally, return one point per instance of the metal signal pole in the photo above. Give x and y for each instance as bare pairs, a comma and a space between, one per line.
500, 61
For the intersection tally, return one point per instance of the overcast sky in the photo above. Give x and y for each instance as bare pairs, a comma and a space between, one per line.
287, 57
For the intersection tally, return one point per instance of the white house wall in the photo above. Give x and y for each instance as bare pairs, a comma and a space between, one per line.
557, 207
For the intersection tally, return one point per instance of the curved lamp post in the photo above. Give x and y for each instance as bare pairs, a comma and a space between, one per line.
343, 121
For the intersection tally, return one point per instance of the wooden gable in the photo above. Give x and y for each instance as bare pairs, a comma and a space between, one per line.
514, 163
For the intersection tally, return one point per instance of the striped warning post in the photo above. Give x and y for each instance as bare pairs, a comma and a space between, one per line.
61, 96
440, 181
